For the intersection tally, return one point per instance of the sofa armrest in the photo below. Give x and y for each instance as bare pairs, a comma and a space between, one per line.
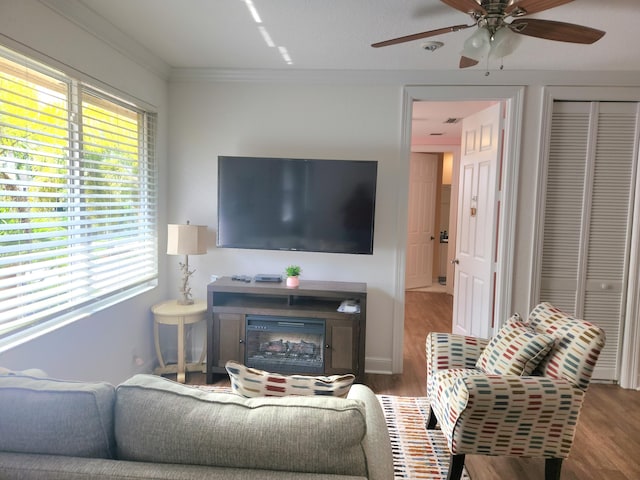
377, 444
535, 416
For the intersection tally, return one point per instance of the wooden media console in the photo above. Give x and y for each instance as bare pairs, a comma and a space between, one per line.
231, 303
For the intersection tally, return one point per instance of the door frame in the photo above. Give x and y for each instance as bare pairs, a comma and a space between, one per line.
629, 363
513, 97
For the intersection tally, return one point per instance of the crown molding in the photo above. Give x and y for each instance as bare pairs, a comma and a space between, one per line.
406, 77
82, 16
286, 75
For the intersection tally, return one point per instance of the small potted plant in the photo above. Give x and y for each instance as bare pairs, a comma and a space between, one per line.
293, 272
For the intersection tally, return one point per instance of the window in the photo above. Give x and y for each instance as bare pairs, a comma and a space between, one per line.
77, 197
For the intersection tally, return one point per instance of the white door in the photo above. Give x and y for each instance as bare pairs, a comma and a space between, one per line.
476, 225
423, 178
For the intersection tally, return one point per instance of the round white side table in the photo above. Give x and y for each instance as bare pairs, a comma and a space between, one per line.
171, 313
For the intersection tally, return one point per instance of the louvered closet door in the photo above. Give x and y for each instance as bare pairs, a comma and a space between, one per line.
587, 216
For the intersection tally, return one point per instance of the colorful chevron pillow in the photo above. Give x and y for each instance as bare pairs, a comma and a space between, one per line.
515, 350
579, 344
251, 382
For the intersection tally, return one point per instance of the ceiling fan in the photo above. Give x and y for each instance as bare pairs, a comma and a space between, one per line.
494, 35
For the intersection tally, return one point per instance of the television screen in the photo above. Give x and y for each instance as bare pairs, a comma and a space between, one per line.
296, 204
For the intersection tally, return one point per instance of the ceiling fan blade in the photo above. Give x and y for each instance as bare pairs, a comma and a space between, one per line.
467, 62
466, 6
559, 31
418, 36
534, 6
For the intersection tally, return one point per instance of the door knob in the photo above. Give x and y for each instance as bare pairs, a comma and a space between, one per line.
432, 237
455, 261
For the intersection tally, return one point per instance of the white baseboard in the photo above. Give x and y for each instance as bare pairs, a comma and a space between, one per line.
378, 365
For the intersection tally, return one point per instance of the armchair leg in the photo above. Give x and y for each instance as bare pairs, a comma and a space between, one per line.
552, 467
456, 465
432, 420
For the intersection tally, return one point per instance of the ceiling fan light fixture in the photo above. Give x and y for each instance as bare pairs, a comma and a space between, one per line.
477, 46
504, 42
493, 38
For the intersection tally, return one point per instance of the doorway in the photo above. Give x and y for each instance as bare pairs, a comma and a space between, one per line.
451, 97
475, 127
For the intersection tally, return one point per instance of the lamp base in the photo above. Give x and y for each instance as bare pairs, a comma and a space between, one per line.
185, 289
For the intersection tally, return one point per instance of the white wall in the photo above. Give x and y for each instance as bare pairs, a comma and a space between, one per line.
102, 346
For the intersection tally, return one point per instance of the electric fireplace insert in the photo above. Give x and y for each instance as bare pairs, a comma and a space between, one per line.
285, 344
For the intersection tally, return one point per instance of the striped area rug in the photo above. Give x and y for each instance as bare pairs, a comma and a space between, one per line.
418, 453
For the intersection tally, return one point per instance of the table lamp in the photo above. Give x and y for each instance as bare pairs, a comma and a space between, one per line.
186, 240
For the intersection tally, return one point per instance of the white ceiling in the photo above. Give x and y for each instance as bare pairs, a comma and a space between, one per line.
431, 121
337, 34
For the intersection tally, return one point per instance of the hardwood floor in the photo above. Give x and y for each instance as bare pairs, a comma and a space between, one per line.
424, 312
607, 442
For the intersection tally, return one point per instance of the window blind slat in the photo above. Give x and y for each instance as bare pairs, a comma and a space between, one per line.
15, 288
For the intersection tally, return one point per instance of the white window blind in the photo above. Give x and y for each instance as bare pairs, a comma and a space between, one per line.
77, 195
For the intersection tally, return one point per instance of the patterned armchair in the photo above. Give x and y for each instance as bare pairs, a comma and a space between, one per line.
518, 393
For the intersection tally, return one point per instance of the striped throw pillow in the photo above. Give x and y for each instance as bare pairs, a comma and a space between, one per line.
251, 382
515, 350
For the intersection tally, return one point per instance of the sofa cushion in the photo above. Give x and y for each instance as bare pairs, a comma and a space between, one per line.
252, 382
56, 417
293, 433
515, 350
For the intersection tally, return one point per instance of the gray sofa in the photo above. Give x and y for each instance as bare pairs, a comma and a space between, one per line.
151, 427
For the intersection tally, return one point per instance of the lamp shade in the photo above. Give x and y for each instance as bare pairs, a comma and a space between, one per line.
187, 239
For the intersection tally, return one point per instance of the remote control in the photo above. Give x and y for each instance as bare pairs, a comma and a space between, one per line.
241, 278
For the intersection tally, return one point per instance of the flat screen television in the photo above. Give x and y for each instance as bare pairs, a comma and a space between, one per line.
296, 204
